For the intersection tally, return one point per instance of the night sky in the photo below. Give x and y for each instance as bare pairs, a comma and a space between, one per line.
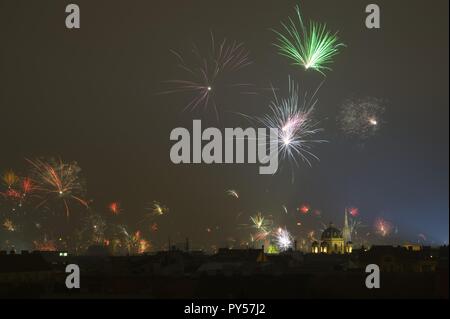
91, 95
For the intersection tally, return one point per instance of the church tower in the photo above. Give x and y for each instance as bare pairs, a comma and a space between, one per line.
346, 233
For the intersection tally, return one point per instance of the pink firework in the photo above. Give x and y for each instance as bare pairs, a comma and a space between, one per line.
353, 211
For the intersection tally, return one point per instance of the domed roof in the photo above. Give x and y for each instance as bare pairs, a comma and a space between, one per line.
331, 232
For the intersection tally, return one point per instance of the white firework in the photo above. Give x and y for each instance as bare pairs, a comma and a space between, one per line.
283, 239
292, 116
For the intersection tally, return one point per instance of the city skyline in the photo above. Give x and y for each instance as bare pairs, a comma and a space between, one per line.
94, 96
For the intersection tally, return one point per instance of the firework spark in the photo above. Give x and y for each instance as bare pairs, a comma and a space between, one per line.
312, 234
293, 117
27, 186
310, 46
232, 193
304, 208
10, 178
361, 118
9, 225
208, 74
115, 208
383, 227
261, 235
355, 225
58, 180
260, 223
159, 209
283, 239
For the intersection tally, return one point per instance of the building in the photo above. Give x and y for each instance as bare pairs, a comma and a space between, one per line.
399, 259
334, 241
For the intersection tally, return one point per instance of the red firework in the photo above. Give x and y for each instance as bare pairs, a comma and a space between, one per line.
27, 186
114, 208
304, 208
353, 211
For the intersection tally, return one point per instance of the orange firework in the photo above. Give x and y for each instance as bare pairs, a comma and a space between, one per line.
46, 245
114, 208
10, 178
58, 180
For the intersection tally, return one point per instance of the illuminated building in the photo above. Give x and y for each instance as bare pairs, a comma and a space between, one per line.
334, 241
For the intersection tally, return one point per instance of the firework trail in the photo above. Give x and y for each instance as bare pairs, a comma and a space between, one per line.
208, 74
355, 225
293, 117
311, 46
353, 211
283, 239
312, 233
58, 180
10, 178
422, 237
232, 193
361, 118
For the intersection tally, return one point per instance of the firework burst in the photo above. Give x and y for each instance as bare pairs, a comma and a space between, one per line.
208, 74
260, 223
311, 46
58, 180
283, 239
292, 116
361, 118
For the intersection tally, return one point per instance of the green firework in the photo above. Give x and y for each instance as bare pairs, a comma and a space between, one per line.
311, 46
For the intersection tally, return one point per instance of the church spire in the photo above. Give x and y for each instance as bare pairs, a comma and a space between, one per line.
346, 233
